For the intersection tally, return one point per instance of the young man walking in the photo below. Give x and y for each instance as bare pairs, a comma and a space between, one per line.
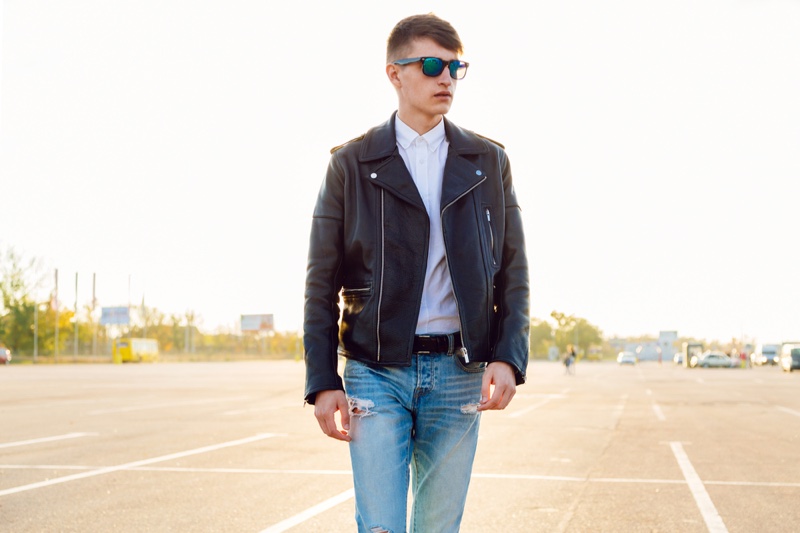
417, 226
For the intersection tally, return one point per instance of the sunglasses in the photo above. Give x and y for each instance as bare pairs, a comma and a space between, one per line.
433, 66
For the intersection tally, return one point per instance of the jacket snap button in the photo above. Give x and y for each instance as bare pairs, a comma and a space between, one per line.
478, 172
373, 175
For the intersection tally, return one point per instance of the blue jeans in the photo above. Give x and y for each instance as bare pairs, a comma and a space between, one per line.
420, 418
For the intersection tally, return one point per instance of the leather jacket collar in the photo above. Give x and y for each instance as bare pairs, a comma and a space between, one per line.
379, 147
381, 141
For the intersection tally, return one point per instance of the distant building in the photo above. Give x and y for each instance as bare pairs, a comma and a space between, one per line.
665, 347
668, 342
645, 351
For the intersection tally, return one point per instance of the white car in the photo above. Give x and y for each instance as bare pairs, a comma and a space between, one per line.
626, 358
790, 356
5, 355
713, 359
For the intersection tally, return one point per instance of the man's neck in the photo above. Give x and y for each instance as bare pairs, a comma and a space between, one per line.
422, 124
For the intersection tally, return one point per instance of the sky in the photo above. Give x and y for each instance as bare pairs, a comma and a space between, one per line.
173, 150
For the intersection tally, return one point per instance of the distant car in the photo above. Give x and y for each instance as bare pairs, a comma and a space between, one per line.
5, 355
790, 356
713, 359
626, 358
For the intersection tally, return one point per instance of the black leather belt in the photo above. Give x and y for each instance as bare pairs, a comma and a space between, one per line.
437, 343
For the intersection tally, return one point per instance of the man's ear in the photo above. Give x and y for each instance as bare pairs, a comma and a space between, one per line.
393, 73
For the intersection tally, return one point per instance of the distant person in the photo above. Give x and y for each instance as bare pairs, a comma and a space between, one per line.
569, 360
417, 225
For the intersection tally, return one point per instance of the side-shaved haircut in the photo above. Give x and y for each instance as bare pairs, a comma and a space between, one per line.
419, 27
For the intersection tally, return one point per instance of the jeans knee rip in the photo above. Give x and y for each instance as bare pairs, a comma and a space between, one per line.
470, 408
361, 408
379, 529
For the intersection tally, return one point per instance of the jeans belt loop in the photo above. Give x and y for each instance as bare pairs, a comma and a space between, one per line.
450, 343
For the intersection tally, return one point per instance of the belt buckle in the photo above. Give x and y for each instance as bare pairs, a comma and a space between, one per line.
424, 338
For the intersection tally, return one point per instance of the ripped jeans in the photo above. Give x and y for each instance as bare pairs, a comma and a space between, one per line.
418, 422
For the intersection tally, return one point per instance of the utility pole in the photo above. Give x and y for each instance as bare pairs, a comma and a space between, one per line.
55, 303
75, 319
130, 340
35, 332
94, 305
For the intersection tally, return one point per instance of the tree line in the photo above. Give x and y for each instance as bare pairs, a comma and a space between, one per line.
29, 326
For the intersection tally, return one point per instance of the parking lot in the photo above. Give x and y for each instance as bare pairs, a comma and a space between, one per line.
230, 447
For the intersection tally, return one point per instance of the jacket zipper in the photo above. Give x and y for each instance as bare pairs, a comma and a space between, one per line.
491, 233
380, 288
464, 336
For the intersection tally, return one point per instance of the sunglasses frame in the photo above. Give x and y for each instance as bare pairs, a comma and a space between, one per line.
453, 66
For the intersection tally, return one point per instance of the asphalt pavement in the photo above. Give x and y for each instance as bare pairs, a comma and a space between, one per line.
229, 446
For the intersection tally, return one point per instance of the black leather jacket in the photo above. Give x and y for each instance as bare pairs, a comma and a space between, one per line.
369, 240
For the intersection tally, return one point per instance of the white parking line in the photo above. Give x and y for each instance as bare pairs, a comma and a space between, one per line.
45, 439
530, 408
190, 470
711, 517
310, 512
134, 464
787, 410
260, 409
487, 475
131, 408
659, 413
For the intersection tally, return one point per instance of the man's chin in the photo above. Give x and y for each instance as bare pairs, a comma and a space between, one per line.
441, 109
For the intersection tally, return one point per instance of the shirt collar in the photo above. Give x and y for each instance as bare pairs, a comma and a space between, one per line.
406, 135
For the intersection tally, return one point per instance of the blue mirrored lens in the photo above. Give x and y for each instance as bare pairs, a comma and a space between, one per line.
457, 69
433, 66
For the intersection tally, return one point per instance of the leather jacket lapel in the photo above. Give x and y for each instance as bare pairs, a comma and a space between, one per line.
460, 176
393, 175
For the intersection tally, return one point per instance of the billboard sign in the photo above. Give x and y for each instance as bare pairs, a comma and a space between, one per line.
257, 323
115, 316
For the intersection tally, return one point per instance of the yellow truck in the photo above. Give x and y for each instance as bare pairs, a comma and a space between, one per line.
128, 350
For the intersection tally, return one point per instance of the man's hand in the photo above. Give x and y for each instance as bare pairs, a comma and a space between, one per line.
325, 406
499, 386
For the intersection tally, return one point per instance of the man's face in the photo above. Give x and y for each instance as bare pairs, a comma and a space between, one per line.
423, 99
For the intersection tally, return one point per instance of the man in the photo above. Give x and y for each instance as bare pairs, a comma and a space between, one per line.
418, 226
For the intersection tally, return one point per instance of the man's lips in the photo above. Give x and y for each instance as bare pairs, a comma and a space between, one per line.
443, 94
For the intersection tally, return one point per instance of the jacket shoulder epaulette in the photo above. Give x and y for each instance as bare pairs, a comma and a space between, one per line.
335, 148
491, 140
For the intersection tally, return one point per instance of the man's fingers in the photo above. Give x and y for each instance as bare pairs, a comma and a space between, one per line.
501, 397
344, 410
326, 405
498, 387
328, 425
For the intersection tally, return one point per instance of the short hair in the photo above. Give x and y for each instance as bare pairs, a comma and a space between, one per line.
420, 27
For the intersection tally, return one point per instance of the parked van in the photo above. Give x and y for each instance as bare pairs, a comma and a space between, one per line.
126, 350
766, 354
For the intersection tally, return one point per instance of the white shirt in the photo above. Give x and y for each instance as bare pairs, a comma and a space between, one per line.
425, 156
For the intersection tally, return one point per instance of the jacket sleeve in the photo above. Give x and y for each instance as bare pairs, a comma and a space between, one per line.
323, 283
513, 343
